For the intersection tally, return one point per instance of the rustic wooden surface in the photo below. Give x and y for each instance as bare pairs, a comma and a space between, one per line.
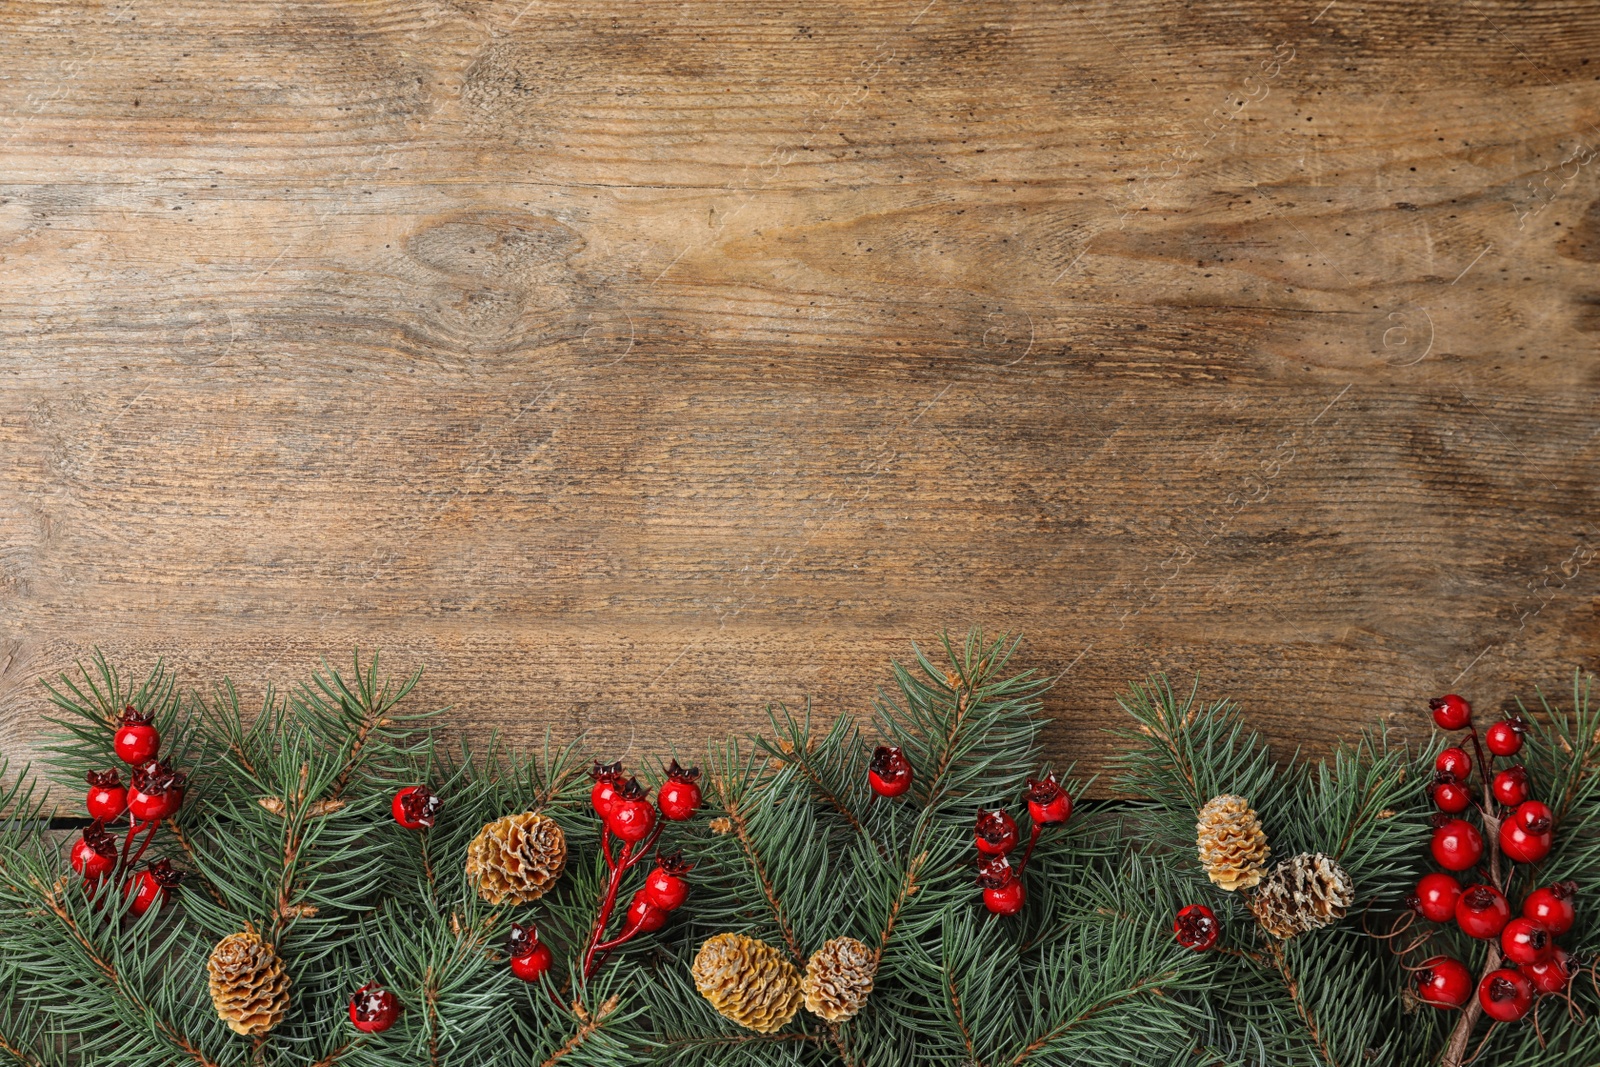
630, 364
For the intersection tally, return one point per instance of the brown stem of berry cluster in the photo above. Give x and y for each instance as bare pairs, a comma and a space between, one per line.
620, 865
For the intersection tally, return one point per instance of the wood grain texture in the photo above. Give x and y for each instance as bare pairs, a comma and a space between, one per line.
630, 365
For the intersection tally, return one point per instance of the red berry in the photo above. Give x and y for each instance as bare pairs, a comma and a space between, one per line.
136, 741
665, 885
1444, 982
1436, 897
1451, 796
1522, 846
645, 916
1504, 738
1505, 995
1457, 845
107, 798
94, 855
1048, 803
1534, 816
1526, 941
152, 886
607, 780
889, 772
1003, 892
1196, 927
632, 817
1552, 906
996, 833
1549, 975
1450, 712
1511, 786
1482, 911
374, 1009
415, 807
529, 958
679, 796
1455, 763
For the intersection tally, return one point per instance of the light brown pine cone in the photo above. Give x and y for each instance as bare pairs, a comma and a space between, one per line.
747, 981
839, 978
249, 986
517, 859
1233, 847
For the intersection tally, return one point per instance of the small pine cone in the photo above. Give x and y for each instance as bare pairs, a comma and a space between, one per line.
517, 859
1233, 847
249, 986
1303, 893
747, 981
838, 979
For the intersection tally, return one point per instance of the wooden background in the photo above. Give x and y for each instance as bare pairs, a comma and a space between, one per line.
630, 364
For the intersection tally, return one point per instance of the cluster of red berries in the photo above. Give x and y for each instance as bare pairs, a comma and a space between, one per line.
156, 793
996, 835
1532, 963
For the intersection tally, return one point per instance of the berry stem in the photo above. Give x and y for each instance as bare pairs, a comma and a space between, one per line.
149, 835
619, 865
1033, 839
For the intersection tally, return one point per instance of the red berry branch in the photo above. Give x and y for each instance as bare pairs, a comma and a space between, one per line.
996, 835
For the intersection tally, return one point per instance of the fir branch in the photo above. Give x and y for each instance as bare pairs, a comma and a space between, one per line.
741, 833
960, 1020
188, 850
587, 1026
1292, 987
908, 889
22, 1057
1151, 986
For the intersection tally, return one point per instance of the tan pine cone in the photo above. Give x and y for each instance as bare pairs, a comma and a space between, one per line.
249, 986
1303, 893
517, 859
747, 981
1233, 847
838, 978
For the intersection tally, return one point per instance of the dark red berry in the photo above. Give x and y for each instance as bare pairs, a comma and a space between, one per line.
1444, 982
136, 741
1436, 897
152, 886
1455, 763
1522, 846
1506, 995
1451, 796
632, 816
1003, 892
1504, 738
1526, 940
996, 834
665, 885
107, 798
1482, 911
157, 792
374, 1009
529, 958
415, 807
1048, 803
679, 796
1511, 786
607, 780
889, 772
1196, 927
1549, 975
94, 854
1457, 845
1450, 712
1552, 906
644, 915
1534, 816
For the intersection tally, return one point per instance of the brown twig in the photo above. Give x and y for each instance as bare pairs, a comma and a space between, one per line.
17, 1054
741, 831
908, 889
333, 1057
1150, 985
586, 1026
961, 1022
1293, 988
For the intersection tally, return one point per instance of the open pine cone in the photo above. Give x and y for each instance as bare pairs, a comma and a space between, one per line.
747, 981
1303, 893
517, 859
1233, 847
838, 978
249, 986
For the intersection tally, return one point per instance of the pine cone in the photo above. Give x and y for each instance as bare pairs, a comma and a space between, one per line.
248, 984
747, 981
1233, 847
838, 979
517, 859
1303, 893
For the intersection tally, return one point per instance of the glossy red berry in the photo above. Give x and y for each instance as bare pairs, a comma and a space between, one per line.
1048, 803
529, 958
1457, 845
156, 793
1436, 896
1549, 975
1526, 940
644, 915
1504, 738
632, 816
1534, 816
889, 772
151, 886
996, 833
1510, 786
94, 854
665, 886
607, 780
679, 796
1506, 995
1552, 906
1003, 892
1196, 927
1450, 712
1482, 911
136, 741
107, 798
1522, 846
374, 1009
415, 807
1454, 763
1451, 796
1443, 982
